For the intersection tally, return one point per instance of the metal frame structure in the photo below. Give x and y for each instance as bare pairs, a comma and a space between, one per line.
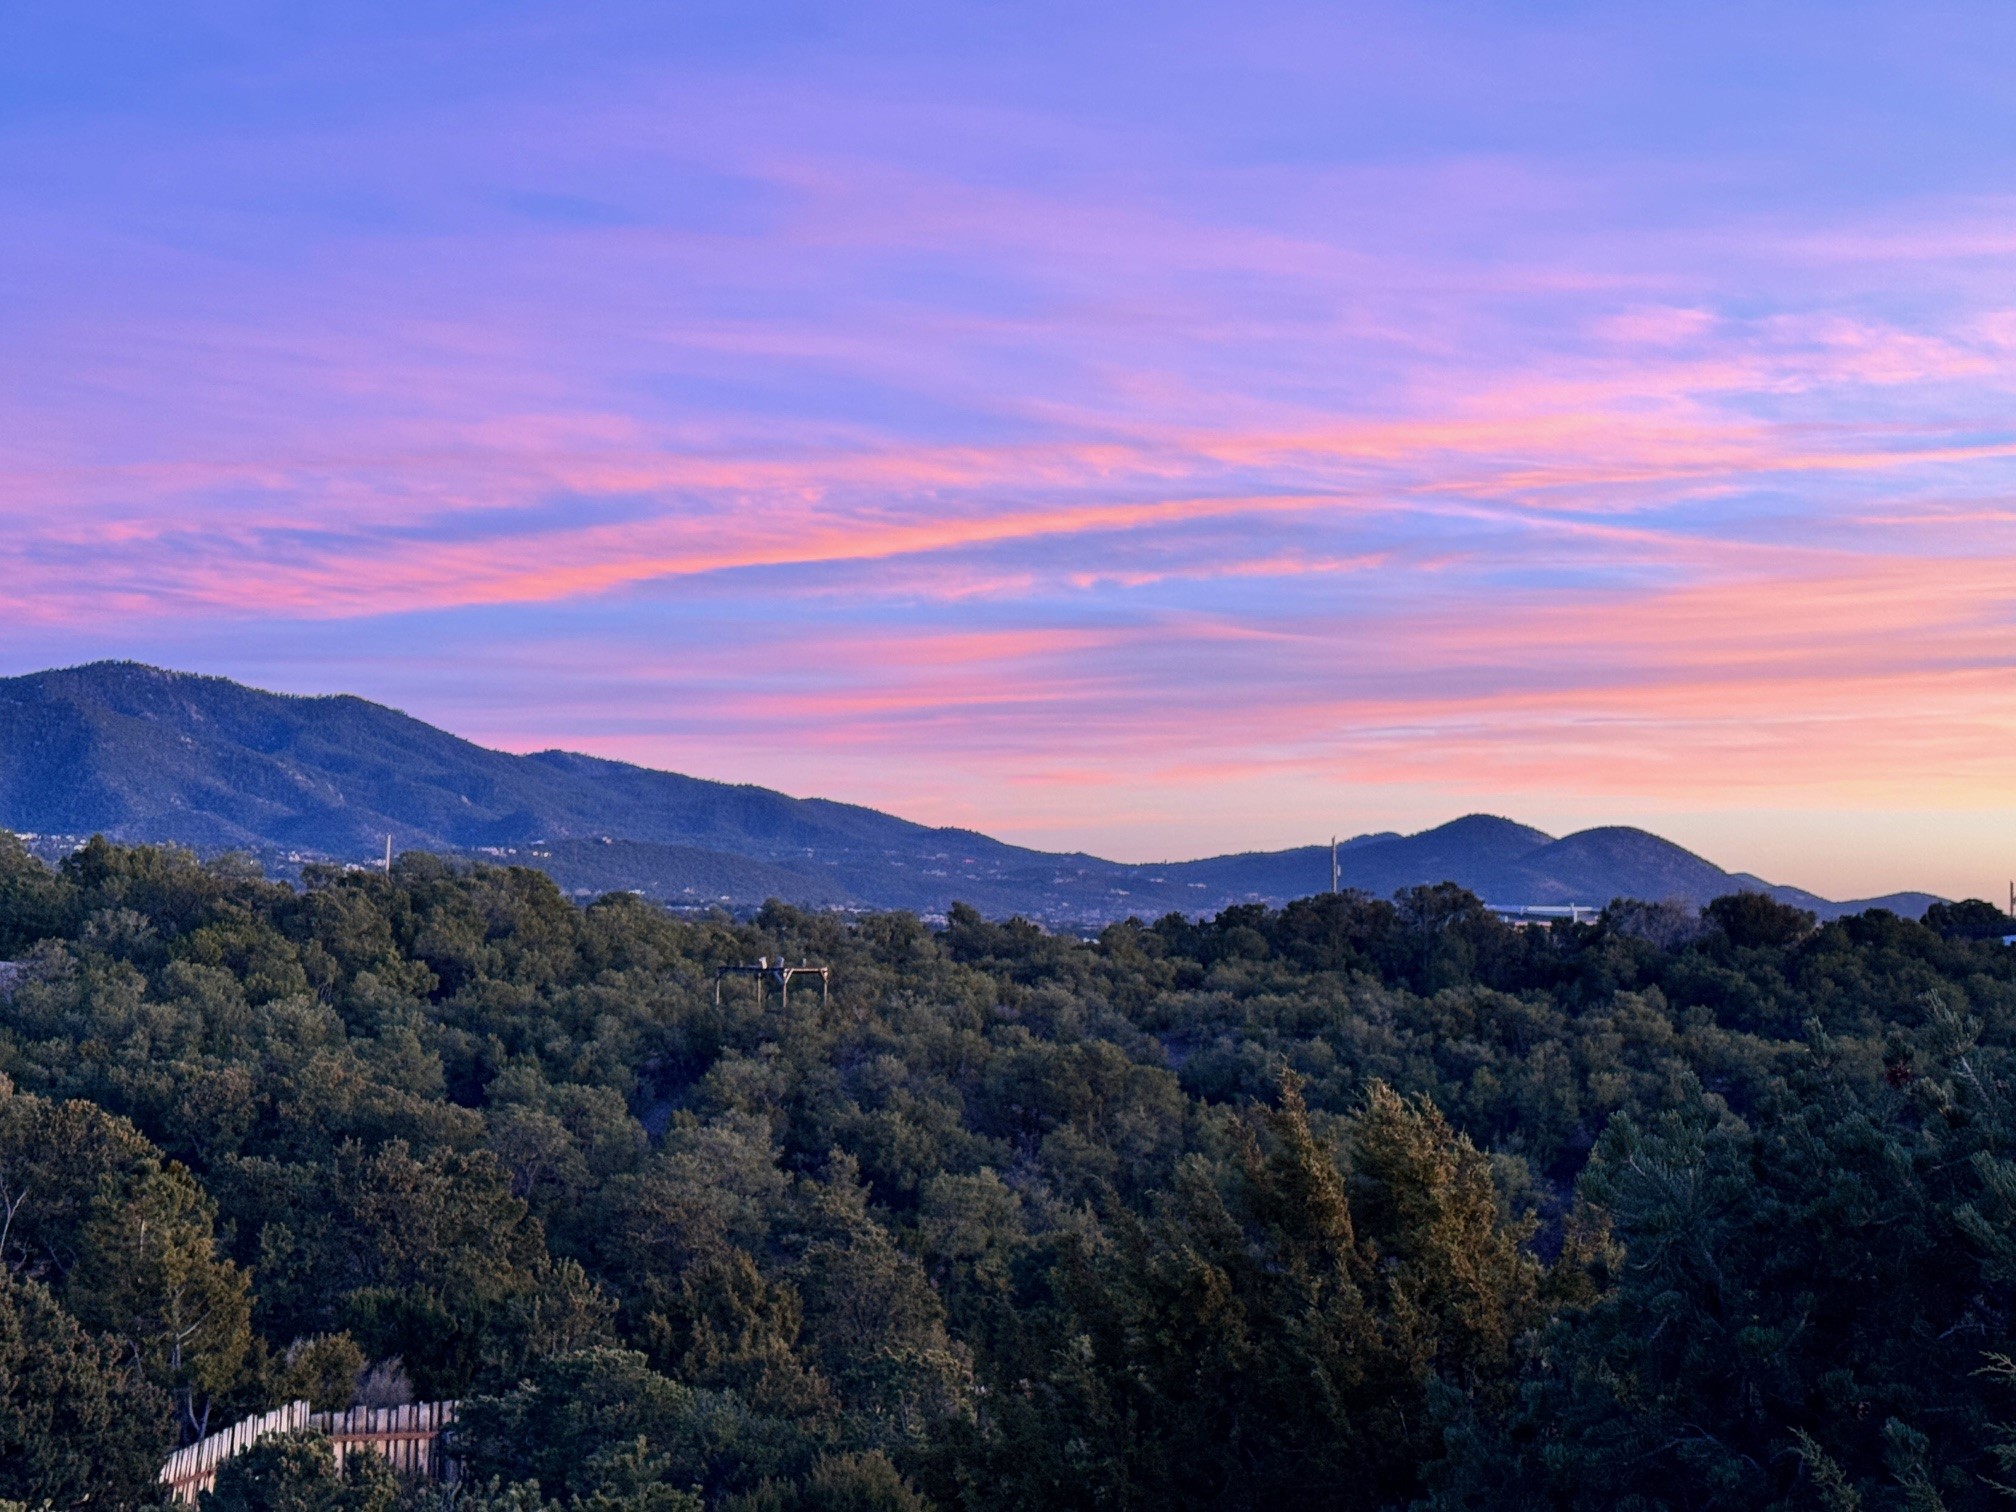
765, 970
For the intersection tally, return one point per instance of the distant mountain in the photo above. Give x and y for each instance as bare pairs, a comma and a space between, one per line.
137, 753
1507, 863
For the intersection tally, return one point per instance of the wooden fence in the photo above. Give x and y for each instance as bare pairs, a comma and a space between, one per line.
193, 1468
407, 1438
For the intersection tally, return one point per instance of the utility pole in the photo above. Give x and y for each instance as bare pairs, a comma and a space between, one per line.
1333, 868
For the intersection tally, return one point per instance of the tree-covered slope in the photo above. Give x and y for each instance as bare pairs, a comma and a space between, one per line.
132, 750
1353, 1204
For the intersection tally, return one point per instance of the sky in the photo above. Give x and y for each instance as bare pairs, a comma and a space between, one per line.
1159, 430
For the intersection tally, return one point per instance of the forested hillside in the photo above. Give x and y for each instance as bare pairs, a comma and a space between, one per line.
1354, 1204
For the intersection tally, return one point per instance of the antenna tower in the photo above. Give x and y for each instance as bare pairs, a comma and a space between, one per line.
388, 855
1333, 868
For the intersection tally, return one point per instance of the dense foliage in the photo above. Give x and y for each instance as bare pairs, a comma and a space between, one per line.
1354, 1204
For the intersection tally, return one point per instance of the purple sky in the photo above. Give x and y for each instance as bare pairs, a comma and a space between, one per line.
1153, 429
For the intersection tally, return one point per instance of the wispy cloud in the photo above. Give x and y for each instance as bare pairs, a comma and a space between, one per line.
878, 415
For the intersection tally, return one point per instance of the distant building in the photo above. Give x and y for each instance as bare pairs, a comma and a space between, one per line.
1545, 913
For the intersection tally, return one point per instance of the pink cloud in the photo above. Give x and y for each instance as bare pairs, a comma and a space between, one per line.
1368, 475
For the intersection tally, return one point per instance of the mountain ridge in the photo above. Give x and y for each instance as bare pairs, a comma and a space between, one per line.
144, 754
